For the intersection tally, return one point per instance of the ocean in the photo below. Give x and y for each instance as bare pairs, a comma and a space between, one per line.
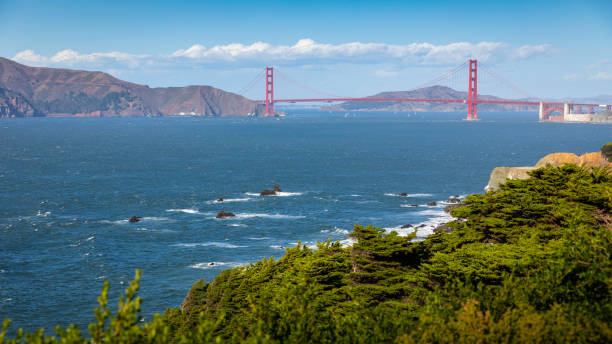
69, 185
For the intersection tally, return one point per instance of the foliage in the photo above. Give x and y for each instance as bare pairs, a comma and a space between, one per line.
528, 263
606, 150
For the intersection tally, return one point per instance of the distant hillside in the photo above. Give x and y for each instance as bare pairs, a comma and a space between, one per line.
31, 91
434, 92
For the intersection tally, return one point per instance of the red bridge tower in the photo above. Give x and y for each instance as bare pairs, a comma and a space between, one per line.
269, 91
472, 91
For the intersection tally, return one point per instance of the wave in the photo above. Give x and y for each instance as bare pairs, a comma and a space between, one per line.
230, 200
259, 238
426, 227
238, 225
116, 222
155, 218
187, 211
336, 230
207, 244
277, 247
278, 194
262, 215
209, 265
410, 195
45, 214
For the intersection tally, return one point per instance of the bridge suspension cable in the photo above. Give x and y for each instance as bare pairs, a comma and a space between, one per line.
305, 87
252, 83
507, 83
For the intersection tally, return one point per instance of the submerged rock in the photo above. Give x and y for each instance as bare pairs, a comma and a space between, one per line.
403, 194
220, 200
135, 219
223, 214
432, 204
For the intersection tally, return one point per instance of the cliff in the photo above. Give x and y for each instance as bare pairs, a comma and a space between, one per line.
31, 91
501, 174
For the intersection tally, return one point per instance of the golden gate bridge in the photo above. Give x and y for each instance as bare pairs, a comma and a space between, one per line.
546, 108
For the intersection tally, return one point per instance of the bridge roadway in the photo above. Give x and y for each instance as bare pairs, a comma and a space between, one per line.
422, 100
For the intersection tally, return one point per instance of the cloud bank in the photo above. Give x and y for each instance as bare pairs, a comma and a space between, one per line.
304, 52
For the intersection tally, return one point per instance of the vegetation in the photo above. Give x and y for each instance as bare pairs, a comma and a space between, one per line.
606, 151
529, 263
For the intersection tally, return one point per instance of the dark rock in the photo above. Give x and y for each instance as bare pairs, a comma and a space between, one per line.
135, 219
454, 199
223, 214
442, 229
449, 208
432, 204
267, 193
211, 264
270, 192
406, 226
403, 194
220, 200
421, 225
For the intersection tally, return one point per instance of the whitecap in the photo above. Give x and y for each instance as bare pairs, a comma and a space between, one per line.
259, 238
206, 244
155, 218
117, 222
424, 228
410, 195
90, 238
45, 214
409, 205
209, 265
277, 247
238, 225
230, 200
186, 211
262, 215
278, 194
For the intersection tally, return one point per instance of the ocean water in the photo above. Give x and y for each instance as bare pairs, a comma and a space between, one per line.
68, 187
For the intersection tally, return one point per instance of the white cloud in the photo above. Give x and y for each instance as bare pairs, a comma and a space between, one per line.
599, 64
308, 51
573, 76
602, 76
527, 51
29, 57
303, 52
383, 73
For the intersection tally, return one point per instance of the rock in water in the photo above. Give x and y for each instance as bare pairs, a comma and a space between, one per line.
220, 200
403, 194
135, 219
406, 226
432, 204
272, 192
223, 214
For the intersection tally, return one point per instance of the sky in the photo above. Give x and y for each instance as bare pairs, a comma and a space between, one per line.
546, 49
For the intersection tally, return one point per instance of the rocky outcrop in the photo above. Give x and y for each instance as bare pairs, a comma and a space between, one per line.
272, 192
223, 214
28, 91
15, 105
501, 174
135, 219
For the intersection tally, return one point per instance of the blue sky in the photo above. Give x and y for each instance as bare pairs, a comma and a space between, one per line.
350, 48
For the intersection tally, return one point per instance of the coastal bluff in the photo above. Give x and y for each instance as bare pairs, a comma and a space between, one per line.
499, 175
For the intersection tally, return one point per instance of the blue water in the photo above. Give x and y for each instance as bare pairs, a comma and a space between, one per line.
68, 186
